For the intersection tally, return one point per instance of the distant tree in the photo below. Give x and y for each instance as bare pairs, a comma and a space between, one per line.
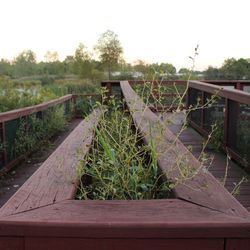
184, 71
236, 69
184, 74
140, 66
212, 73
25, 64
6, 68
68, 64
110, 50
167, 68
52, 64
82, 62
51, 56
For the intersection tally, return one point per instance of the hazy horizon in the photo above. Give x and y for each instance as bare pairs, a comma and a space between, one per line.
152, 31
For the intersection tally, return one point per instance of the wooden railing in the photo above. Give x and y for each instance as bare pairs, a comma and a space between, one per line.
230, 111
232, 108
10, 123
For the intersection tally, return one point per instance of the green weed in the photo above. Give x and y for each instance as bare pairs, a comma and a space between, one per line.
120, 166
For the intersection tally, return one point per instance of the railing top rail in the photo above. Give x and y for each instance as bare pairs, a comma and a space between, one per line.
16, 113
227, 81
235, 95
115, 82
87, 94
218, 82
163, 82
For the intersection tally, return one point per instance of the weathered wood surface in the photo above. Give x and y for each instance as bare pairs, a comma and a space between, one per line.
121, 244
56, 179
12, 243
175, 160
237, 244
171, 218
17, 113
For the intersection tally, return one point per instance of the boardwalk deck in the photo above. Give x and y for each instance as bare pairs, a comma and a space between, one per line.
232, 173
201, 215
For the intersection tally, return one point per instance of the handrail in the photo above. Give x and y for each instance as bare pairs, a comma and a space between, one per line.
16, 113
235, 95
227, 81
230, 116
6, 161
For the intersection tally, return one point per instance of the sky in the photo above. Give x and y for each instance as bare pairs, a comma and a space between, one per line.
150, 30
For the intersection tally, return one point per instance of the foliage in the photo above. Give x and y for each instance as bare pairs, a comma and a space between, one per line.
17, 98
85, 105
231, 69
110, 50
120, 166
24, 63
25, 93
82, 62
35, 130
243, 138
217, 134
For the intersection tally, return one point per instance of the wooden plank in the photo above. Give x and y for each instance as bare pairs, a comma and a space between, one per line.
237, 244
174, 158
171, 244
169, 218
56, 179
66, 244
120, 244
159, 82
14, 114
11, 243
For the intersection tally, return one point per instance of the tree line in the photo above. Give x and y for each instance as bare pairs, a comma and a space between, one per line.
110, 64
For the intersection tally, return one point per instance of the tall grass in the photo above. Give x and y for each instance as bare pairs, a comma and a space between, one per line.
120, 166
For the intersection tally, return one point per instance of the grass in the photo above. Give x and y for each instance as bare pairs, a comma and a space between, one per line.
120, 166
15, 94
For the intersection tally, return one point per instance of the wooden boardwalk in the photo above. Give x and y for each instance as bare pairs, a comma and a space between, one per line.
230, 174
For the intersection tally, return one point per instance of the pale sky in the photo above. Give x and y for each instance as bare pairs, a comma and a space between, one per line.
150, 30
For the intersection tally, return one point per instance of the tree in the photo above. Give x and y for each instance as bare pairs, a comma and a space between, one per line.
236, 69
82, 61
25, 63
69, 64
110, 50
52, 65
212, 73
5, 68
51, 56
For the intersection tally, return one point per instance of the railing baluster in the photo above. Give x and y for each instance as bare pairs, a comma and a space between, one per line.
232, 120
203, 101
3, 140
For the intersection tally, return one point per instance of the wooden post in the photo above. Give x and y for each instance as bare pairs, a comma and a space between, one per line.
109, 88
238, 86
3, 140
74, 104
231, 120
202, 110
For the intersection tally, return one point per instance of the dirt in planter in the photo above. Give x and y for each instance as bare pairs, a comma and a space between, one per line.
120, 166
